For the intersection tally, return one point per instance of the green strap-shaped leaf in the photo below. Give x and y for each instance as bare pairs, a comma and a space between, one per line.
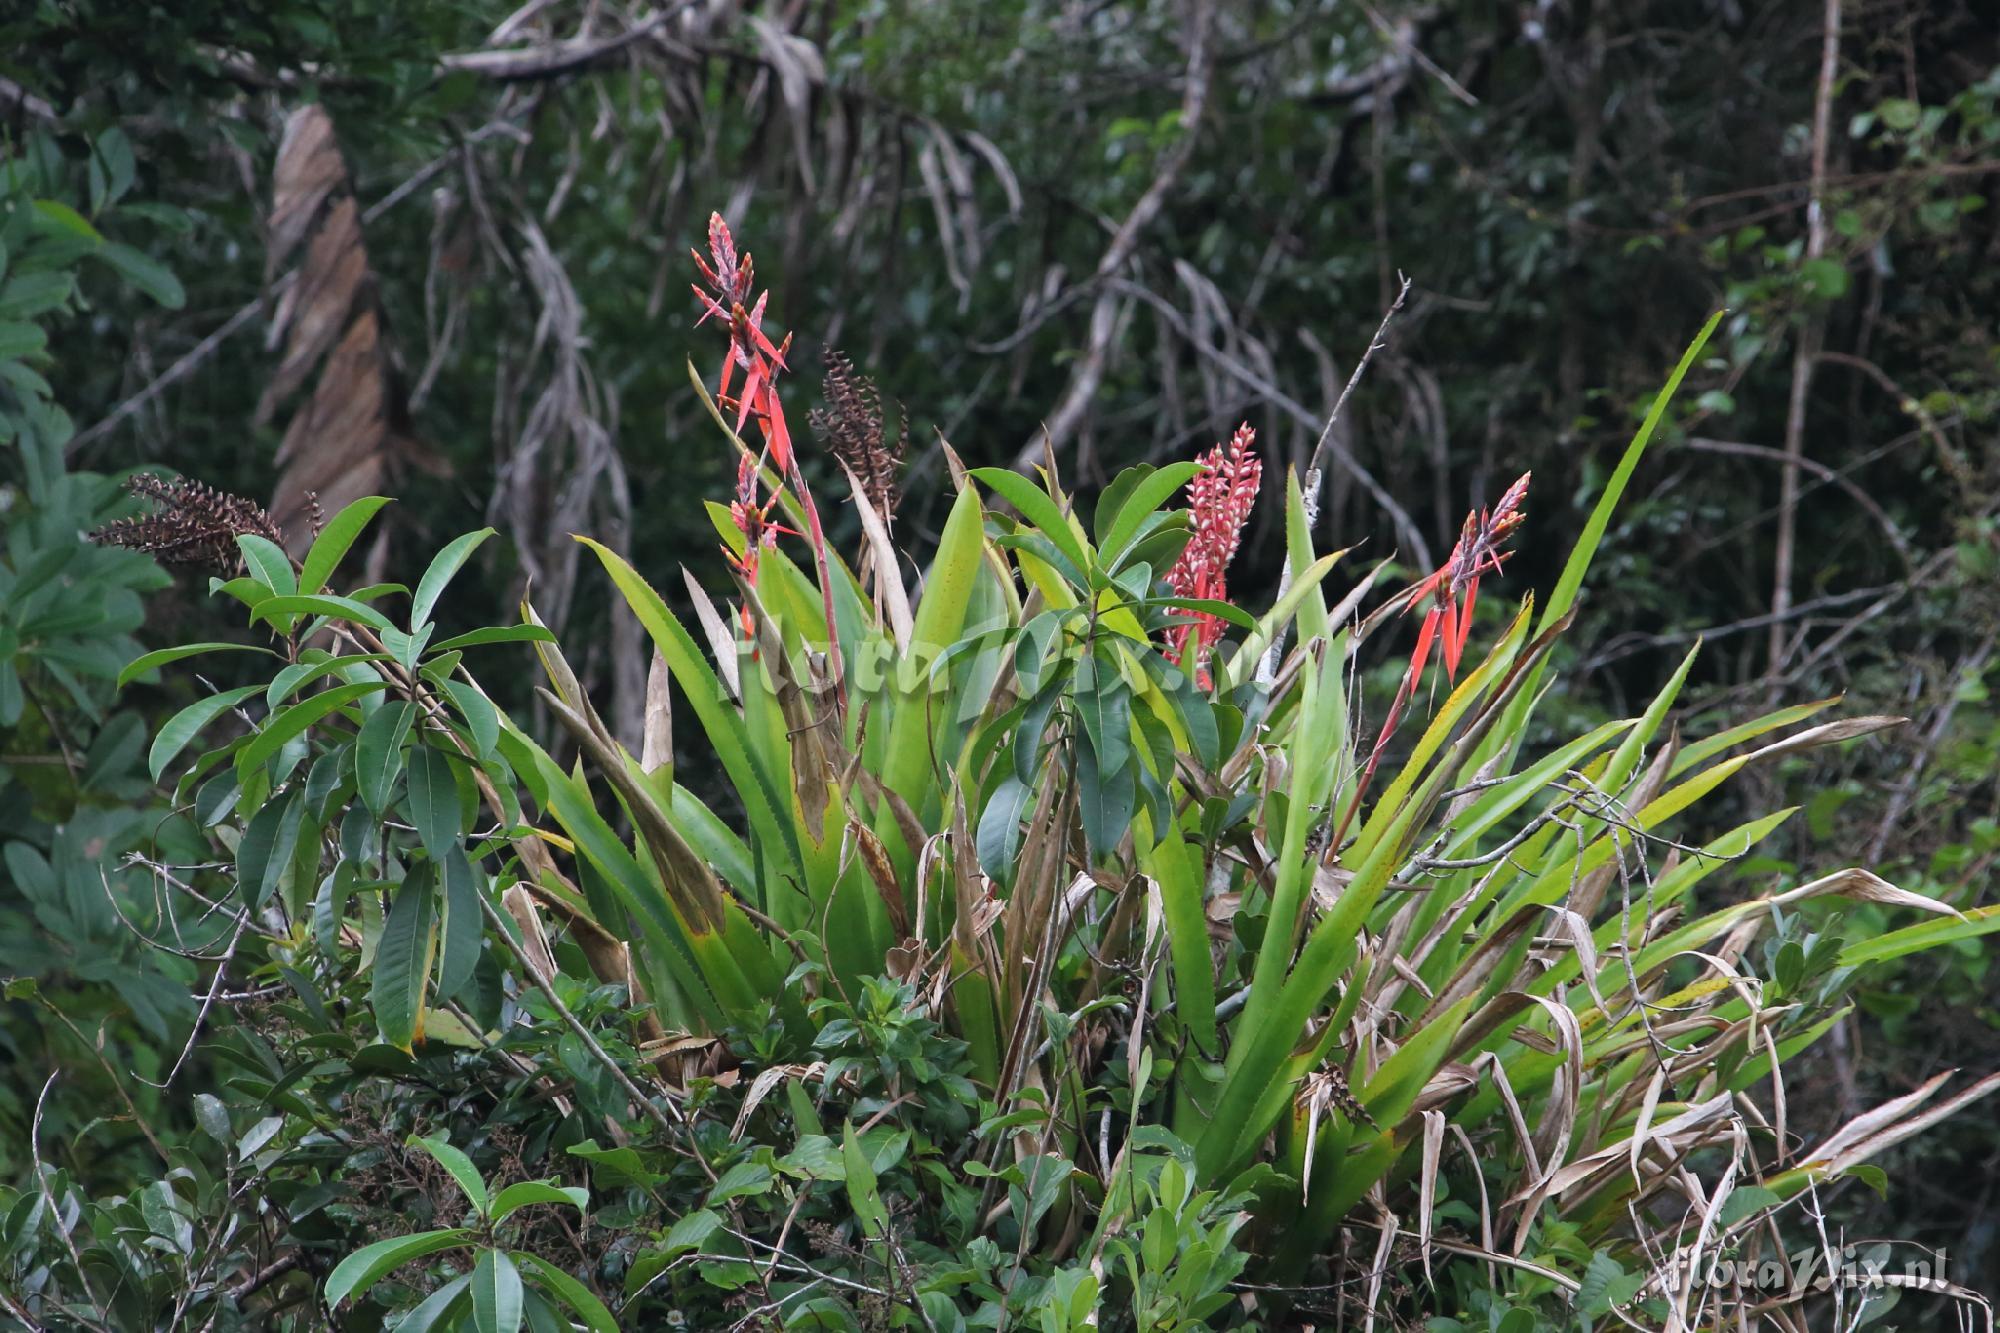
939, 619
1924, 935
720, 721
1176, 868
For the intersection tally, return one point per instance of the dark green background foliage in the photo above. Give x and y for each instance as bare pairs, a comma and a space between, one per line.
1571, 188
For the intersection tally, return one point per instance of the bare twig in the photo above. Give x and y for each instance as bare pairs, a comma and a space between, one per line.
1810, 335
520, 64
1309, 484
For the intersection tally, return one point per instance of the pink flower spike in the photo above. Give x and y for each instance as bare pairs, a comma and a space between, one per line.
1220, 501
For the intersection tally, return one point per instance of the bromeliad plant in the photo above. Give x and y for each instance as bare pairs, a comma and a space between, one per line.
1182, 929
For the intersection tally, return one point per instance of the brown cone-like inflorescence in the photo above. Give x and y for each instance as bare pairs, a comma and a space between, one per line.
191, 524
854, 426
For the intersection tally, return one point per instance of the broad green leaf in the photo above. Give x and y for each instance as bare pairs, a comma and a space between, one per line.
496, 1293
359, 1271
1226, 611
334, 540
403, 962
458, 1164
144, 272
1037, 508
443, 566
740, 1181
185, 725
33, 294
570, 1291
999, 836
61, 216
1152, 492
139, 666
1104, 702
267, 849
296, 677
268, 564
19, 340
464, 924
433, 801
320, 604
280, 728
447, 1301
1105, 800
494, 634
378, 753
524, 1192
863, 1193
482, 719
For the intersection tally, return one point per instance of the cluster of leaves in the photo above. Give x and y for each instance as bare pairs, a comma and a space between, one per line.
83, 993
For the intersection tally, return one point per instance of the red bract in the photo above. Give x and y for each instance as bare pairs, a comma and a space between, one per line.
1224, 493
1454, 590
753, 520
730, 278
1454, 586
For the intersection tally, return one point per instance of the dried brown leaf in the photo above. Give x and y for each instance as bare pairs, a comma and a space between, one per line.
351, 437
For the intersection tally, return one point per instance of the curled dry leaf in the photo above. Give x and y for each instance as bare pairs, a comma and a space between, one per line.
352, 436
